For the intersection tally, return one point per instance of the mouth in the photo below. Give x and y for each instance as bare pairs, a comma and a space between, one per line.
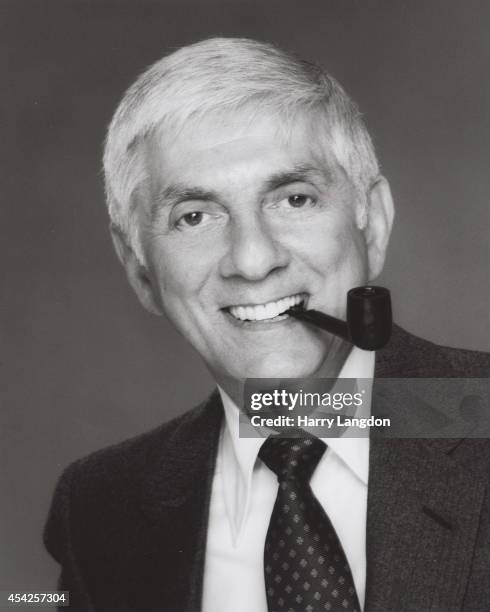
269, 311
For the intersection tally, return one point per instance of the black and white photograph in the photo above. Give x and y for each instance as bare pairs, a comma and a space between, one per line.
244, 305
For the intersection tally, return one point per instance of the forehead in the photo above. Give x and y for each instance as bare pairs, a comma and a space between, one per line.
236, 148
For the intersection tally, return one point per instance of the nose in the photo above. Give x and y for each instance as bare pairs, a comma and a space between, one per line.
253, 251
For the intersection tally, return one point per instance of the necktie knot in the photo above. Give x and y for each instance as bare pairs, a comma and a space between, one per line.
292, 458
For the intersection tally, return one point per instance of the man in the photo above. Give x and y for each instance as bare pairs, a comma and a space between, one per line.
241, 181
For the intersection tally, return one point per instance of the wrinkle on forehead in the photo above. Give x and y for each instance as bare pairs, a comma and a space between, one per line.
207, 158
229, 127
241, 119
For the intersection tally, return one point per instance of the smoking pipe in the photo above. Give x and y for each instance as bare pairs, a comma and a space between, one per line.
368, 324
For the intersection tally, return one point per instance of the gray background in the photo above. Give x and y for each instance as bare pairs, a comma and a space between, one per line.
82, 365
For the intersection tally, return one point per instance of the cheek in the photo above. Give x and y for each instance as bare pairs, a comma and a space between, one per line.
354, 254
180, 274
335, 248
168, 272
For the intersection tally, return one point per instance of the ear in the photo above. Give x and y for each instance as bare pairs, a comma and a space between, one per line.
137, 273
380, 215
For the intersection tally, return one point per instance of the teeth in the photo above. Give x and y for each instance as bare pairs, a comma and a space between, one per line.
262, 312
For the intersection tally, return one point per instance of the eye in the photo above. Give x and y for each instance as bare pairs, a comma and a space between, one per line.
197, 217
299, 200
191, 219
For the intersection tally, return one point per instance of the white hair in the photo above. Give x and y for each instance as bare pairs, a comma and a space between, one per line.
222, 75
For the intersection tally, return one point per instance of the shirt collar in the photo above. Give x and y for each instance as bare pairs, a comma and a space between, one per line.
238, 456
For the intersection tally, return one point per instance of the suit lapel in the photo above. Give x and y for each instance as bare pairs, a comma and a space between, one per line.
170, 547
423, 512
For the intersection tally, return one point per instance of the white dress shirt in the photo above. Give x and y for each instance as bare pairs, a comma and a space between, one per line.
243, 495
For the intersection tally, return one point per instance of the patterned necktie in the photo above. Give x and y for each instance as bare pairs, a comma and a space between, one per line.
306, 569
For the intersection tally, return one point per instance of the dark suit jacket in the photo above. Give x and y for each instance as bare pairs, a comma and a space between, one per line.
128, 524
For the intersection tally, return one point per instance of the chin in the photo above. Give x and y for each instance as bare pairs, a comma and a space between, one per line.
282, 366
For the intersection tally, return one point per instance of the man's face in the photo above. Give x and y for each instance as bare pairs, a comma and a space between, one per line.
243, 221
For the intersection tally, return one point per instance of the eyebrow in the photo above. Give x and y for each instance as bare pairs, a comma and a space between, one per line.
298, 174
174, 194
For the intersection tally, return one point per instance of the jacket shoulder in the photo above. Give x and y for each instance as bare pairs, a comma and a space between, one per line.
112, 479
129, 459
107, 509
409, 356
138, 451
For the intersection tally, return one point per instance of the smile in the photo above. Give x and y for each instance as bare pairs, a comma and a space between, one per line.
267, 311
